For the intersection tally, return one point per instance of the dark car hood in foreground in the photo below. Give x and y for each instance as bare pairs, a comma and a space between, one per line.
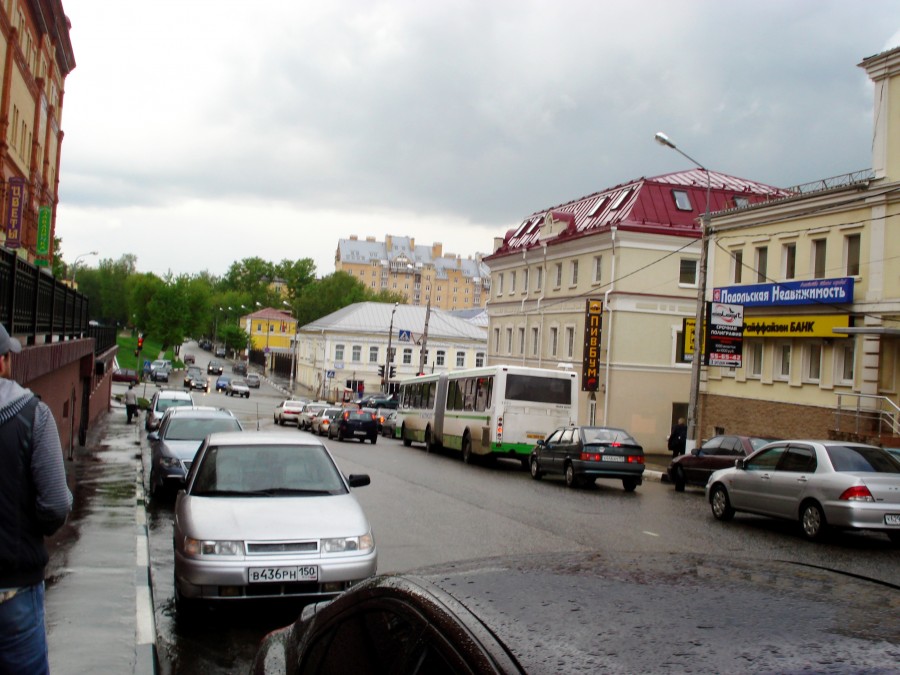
624, 613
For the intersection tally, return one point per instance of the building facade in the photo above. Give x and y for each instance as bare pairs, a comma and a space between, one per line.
270, 330
419, 273
36, 56
624, 263
347, 349
816, 274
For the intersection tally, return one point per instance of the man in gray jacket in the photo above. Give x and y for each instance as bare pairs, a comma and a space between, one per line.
34, 503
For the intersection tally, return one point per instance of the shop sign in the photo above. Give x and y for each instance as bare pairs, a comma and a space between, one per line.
14, 206
724, 334
809, 292
593, 324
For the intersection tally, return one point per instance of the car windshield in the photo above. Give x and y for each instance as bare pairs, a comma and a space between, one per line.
868, 459
238, 383
198, 429
164, 404
606, 435
267, 470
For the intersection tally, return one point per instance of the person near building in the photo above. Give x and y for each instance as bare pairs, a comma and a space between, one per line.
678, 438
131, 403
34, 503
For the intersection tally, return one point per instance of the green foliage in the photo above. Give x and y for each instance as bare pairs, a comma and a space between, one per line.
128, 343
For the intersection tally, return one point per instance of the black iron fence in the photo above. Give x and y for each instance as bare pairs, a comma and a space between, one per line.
43, 309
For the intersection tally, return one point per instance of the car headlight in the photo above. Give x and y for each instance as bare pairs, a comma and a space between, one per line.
209, 547
359, 544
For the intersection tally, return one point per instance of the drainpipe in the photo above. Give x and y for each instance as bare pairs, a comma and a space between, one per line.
522, 308
538, 307
609, 326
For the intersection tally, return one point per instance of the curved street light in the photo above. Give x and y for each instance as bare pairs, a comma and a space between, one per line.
75, 264
697, 357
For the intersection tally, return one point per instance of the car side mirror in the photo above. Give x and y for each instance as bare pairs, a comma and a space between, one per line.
696, 452
153, 436
541, 443
739, 463
358, 479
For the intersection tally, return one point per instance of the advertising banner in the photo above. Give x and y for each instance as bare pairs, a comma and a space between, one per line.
15, 204
43, 233
809, 292
593, 324
724, 334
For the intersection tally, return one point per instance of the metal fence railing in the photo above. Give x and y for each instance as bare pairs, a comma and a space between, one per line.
867, 413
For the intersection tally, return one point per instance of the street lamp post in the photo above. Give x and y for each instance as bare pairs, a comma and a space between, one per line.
75, 264
292, 341
387, 366
700, 316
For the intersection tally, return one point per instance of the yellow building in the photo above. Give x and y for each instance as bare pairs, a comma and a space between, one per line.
417, 272
35, 58
270, 330
816, 273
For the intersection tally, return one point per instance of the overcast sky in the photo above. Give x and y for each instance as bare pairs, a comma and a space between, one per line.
199, 132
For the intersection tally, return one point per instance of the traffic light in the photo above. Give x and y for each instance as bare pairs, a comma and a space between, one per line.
393, 371
140, 343
380, 371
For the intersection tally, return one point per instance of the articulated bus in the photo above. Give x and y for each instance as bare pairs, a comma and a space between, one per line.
496, 411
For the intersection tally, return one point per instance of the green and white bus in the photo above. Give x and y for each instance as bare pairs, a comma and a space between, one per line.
496, 411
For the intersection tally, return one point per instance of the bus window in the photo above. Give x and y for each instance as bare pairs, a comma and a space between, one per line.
432, 387
483, 389
538, 389
454, 395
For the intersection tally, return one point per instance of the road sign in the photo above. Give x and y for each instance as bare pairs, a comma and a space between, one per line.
329, 374
405, 336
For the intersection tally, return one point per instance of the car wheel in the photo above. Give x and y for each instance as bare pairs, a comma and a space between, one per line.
630, 484
340, 436
428, 444
187, 608
571, 479
894, 537
467, 457
720, 503
536, 472
281, 421
374, 440
678, 479
406, 441
812, 520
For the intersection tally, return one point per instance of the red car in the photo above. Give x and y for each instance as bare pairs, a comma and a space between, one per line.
719, 452
125, 375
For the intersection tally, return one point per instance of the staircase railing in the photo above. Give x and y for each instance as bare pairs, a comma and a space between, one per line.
867, 414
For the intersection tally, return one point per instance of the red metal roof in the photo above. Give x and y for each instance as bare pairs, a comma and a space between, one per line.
646, 204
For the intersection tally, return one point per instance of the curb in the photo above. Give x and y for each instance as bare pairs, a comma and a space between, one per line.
146, 658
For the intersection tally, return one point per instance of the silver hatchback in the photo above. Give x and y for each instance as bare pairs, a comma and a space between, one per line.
268, 515
820, 484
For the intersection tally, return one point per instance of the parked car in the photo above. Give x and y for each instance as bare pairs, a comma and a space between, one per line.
161, 401
583, 454
239, 368
128, 375
819, 484
189, 359
719, 452
252, 380
377, 402
220, 351
268, 515
308, 411
160, 369
502, 615
237, 388
287, 412
389, 426
361, 424
173, 446
324, 419
222, 382
214, 368
190, 374
205, 345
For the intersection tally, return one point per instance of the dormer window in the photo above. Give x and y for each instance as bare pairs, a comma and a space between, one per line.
682, 200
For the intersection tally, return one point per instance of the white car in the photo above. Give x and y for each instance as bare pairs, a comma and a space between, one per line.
287, 411
267, 515
237, 388
162, 401
819, 484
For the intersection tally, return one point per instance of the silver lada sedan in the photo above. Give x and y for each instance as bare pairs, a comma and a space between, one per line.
268, 515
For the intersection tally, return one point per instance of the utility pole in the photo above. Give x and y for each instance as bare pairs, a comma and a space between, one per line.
424, 345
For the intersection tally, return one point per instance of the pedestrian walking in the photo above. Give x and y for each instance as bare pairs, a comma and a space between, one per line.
130, 403
678, 438
34, 503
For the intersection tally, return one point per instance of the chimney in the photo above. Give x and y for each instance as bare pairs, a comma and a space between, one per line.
388, 243
353, 237
437, 250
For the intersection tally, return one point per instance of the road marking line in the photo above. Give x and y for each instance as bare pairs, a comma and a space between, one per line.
651, 534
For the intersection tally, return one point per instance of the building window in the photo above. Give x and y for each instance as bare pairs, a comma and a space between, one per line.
554, 337
762, 263
851, 246
440, 357
512, 282
844, 361
598, 269
754, 358
339, 352
496, 340
373, 354
789, 260
500, 283
783, 360
687, 272
574, 272
558, 275
535, 341
818, 254
539, 278
813, 364
357, 353
460, 359
521, 340
479, 359
525, 280
570, 342
509, 340
682, 200
737, 260
407, 356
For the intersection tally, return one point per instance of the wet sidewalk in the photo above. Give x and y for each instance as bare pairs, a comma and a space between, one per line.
99, 609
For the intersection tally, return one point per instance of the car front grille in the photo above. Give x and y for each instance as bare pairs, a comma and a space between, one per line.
264, 548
